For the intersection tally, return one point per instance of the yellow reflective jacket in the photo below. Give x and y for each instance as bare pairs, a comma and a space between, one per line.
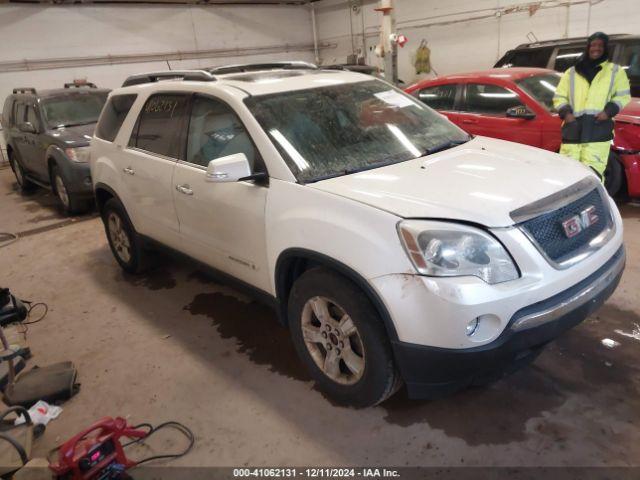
610, 84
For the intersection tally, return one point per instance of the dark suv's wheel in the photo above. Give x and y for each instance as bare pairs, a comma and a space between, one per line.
341, 339
125, 243
23, 183
70, 201
614, 176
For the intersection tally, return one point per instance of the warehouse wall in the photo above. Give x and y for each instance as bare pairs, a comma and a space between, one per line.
464, 35
37, 32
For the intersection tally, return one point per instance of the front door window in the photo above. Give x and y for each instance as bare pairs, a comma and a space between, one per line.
490, 99
215, 131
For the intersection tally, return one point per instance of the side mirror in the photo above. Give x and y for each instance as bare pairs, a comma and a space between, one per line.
231, 168
520, 112
27, 127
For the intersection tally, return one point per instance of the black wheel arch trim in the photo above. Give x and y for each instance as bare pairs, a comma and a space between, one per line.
111, 191
282, 292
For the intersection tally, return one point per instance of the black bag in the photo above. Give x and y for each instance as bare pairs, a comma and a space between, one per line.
11, 309
594, 130
572, 131
52, 384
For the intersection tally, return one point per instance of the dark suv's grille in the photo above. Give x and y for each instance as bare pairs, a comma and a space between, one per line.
548, 230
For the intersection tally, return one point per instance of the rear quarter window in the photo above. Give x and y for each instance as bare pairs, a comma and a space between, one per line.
440, 97
113, 115
6, 112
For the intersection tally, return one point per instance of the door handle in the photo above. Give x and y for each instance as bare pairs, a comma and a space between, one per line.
186, 189
128, 170
469, 121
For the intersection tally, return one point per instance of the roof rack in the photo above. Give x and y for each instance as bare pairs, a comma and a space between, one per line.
80, 84
253, 67
195, 75
349, 67
561, 41
25, 90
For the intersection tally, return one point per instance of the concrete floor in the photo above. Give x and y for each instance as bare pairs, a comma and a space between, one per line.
174, 345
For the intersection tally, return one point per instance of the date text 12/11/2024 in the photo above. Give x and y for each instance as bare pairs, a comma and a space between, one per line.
315, 473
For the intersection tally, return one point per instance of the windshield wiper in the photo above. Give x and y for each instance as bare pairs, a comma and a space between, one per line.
65, 125
445, 146
349, 171
369, 167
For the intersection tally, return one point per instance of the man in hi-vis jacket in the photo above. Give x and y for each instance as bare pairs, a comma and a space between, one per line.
588, 96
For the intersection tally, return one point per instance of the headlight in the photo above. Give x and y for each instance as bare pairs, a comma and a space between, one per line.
79, 154
442, 249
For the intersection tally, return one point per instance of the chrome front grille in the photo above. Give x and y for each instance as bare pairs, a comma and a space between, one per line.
569, 226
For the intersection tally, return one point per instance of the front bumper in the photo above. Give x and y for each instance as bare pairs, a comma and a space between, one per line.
433, 371
631, 162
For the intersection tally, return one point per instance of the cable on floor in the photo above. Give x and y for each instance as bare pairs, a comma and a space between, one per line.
177, 426
32, 306
7, 238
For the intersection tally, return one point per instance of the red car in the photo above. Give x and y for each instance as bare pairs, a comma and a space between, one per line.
515, 104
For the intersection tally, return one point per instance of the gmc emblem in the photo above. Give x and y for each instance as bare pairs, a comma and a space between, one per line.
574, 225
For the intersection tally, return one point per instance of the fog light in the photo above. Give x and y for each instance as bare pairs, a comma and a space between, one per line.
472, 326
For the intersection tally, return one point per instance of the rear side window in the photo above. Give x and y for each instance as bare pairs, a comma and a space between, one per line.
19, 112
113, 115
567, 57
441, 97
630, 61
490, 99
535, 57
160, 126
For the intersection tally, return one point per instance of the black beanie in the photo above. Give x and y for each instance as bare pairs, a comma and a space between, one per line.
601, 35
589, 68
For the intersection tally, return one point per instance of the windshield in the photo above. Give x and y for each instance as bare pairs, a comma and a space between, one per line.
73, 109
340, 129
541, 87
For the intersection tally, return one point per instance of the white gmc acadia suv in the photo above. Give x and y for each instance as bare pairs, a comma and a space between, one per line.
395, 247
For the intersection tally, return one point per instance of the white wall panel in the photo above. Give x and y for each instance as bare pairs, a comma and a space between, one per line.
45, 32
467, 35
35, 32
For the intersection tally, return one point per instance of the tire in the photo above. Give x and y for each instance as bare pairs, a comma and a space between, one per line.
361, 370
70, 202
125, 243
23, 183
614, 176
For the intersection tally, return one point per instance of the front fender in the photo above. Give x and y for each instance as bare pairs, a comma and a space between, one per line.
55, 154
361, 237
76, 175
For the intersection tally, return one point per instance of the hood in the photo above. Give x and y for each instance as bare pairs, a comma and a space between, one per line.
481, 181
630, 113
78, 136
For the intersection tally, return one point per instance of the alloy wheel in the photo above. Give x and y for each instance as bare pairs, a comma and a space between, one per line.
333, 340
119, 238
63, 195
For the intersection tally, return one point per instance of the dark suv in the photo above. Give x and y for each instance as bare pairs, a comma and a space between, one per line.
561, 54
48, 133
